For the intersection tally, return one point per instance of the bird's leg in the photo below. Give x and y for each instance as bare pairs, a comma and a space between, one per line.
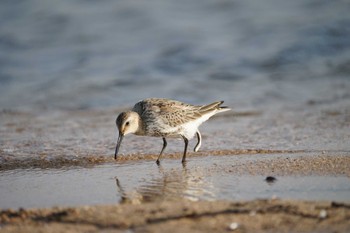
161, 152
124, 197
185, 151
199, 143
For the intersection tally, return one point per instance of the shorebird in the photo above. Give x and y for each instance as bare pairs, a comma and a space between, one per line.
166, 118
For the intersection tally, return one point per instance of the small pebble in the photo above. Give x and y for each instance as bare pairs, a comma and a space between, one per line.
323, 214
233, 226
270, 179
252, 213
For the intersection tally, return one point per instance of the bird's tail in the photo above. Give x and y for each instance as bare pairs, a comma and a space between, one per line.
214, 106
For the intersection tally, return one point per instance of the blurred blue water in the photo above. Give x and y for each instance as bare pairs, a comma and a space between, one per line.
86, 54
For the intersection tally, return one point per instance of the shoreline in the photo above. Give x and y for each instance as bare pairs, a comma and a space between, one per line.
255, 161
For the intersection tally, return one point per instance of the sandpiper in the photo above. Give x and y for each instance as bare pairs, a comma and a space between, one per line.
165, 118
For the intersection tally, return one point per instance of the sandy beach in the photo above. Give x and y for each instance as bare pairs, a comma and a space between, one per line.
167, 199
220, 216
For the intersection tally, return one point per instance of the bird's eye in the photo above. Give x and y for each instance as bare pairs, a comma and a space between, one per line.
127, 123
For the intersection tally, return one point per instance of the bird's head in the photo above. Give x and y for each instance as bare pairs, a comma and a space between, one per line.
127, 122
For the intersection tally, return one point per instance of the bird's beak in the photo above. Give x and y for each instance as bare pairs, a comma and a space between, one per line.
120, 138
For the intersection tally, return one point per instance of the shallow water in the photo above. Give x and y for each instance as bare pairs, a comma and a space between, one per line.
143, 181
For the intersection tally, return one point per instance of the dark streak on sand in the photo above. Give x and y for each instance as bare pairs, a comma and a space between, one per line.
257, 162
85, 161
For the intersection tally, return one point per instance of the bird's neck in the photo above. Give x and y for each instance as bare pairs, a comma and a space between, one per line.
140, 129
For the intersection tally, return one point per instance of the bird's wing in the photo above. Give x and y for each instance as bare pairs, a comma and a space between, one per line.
171, 112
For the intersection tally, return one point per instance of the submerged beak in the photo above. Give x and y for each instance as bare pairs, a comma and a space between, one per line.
120, 139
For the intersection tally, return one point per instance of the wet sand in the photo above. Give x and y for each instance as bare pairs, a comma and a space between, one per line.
261, 144
185, 216
145, 213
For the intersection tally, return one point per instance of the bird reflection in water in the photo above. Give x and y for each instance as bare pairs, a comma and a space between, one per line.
170, 184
